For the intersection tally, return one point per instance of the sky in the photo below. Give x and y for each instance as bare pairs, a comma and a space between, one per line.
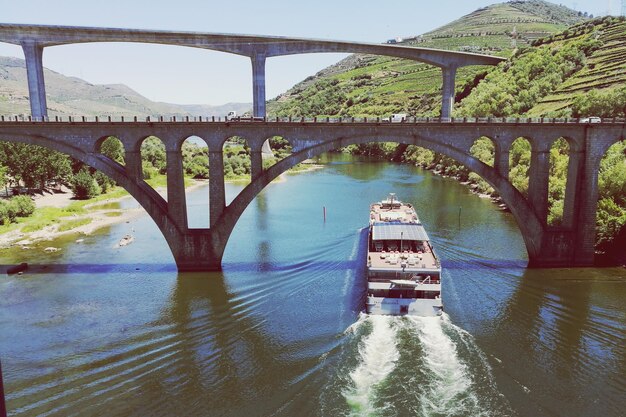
194, 76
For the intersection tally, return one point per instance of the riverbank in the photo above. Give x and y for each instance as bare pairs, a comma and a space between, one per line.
58, 214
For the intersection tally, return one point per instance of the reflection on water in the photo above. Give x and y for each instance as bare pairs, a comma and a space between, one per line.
569, 325
96, 329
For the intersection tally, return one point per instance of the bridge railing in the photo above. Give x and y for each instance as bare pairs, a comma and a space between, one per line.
308, 120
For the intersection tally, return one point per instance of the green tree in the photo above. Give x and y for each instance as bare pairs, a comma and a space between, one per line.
33, 166
114, 149
84, 186
153, 151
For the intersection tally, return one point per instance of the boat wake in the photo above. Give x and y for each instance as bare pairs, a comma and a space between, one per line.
422, 366
378, 355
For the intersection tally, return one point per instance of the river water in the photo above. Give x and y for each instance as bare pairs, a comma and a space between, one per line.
100, 330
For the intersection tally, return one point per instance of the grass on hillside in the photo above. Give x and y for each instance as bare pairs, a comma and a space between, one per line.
604, 69
380, 86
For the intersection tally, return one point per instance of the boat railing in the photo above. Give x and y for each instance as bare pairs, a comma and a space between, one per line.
426, 280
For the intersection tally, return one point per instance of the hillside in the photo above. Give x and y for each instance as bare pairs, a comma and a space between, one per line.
73, 96
363, 85
557, 76
561, 63
604, 69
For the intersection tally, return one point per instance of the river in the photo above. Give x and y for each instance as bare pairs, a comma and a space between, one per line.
96, 329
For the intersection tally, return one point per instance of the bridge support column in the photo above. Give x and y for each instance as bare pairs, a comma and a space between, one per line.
570, 205
133, 165
501, 162
256, 163
217, 194
176, 202
538, 176
33, 54
258, 85
573, 243
198, 252
587, 196
447, 91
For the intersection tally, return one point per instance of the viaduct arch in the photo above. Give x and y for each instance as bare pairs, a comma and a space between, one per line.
571, 244
201, 249
34, 38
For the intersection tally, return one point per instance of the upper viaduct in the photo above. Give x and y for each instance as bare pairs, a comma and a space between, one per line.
571, 244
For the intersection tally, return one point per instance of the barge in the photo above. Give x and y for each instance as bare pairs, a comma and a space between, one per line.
403, 271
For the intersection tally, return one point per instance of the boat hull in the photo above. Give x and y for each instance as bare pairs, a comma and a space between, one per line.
404, 306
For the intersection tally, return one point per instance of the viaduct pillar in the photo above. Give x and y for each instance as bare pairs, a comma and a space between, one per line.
217, 194
133, 164
258, 84
33, 53
447, 93
586, 196
538, 176
176, 201
502, 155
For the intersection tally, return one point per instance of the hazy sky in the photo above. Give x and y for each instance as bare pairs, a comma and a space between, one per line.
195, 76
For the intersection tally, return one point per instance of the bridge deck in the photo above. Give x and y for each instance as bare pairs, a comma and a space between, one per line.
308, 120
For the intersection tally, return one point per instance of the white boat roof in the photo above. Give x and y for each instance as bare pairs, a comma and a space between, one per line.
397, 231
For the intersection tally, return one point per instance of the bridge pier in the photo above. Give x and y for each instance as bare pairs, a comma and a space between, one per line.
134, 168
587, 192
217, 193
33, 54
256, 163
501, 162
538, 176
176, 201
447, 93
258, 84
574, 170
198, 250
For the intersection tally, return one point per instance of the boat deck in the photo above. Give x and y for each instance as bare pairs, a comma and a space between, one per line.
400, 212
409, 260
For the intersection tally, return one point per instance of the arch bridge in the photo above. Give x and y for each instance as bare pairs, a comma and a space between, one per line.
571, 244
34, 38
201, 249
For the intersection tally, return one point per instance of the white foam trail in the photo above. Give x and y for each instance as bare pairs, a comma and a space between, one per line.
447, 392
363, 318
378, 355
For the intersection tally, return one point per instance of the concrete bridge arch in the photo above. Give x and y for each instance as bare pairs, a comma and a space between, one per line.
571, 244
145, 195
525, 217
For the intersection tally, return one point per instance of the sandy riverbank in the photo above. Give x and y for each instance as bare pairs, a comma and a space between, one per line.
97, 217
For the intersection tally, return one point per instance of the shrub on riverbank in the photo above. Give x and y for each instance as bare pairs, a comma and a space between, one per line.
84, 185
18, 206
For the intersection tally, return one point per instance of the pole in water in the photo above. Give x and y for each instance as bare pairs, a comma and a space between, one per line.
459, 217
324, 214
3, 407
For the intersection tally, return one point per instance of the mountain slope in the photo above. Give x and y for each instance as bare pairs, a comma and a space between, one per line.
556, 75
363, 85
73, 96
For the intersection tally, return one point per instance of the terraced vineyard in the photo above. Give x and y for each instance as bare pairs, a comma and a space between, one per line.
604, 69
364, 85
561, 64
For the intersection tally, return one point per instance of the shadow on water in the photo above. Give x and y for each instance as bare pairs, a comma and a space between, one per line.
261, 266
96, 329
206, 350
560, 324
232, 360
